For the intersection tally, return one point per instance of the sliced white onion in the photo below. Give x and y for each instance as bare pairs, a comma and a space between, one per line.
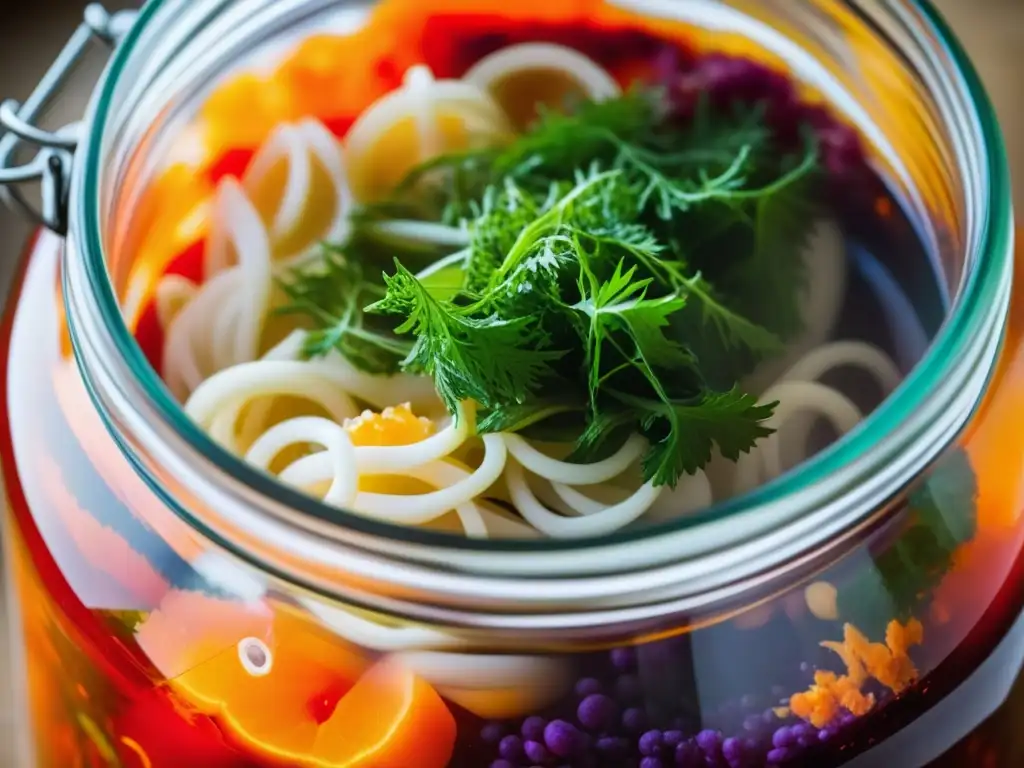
390, 459
575, 474
477, 521
188, 357
477, 670
379, 637
472, 521
289, 348
422, 508
285, 144
838, 354
173, 293
692, 494
492, 686
600, 523
420, 98
379, 391
264, 378
793, 397
327, 151
394, 459
596, 83
422, 232
237, 221
419, 81
223, 429
816, 364
313, 429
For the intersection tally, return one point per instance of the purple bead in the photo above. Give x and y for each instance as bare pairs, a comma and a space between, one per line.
732, 751
779, 755
806, 734
562, 738
783, 737
710, 741
628, 689
651, 762
688, 755
536, 752
634, 720
732, 748
825, 734
800, 730
807, 741
673, 738
651, 743
511, 748
533, 728
492, 733
624, 659
502, 764
597, 711
587, 686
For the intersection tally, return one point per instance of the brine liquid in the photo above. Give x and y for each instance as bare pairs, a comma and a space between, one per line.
86, 567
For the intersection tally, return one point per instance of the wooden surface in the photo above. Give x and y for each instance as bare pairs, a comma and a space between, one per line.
992, 32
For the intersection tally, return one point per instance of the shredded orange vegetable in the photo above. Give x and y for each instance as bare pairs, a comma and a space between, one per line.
396, 425
888, 663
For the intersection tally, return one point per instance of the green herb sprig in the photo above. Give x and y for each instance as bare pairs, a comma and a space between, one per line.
616, 271
907, 565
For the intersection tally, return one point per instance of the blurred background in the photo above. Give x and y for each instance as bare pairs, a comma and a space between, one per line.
32, 33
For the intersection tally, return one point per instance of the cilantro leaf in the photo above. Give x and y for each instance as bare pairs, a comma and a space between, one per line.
610, 271
333, 292
490, 360
684, 433
620, 304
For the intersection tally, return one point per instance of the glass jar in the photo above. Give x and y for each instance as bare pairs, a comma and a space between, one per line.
177, 608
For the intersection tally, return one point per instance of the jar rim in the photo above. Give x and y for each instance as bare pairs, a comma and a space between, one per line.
888, 423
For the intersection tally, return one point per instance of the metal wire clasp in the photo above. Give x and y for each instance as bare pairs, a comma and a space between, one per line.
51, 165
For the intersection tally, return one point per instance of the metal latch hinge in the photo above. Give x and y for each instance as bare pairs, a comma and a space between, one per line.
54, 150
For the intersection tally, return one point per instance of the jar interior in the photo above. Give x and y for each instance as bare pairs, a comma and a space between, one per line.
827, 655
906, 229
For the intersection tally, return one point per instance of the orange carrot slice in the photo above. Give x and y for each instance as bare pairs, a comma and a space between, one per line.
390, 719
243, 111
272, 678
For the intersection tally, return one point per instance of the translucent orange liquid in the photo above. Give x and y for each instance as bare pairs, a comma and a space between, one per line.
93, 700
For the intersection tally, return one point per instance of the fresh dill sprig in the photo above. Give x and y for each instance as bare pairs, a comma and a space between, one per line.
333, 292
613, 271
488, 359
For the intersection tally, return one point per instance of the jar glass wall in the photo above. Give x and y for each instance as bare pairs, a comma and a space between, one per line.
159, 630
